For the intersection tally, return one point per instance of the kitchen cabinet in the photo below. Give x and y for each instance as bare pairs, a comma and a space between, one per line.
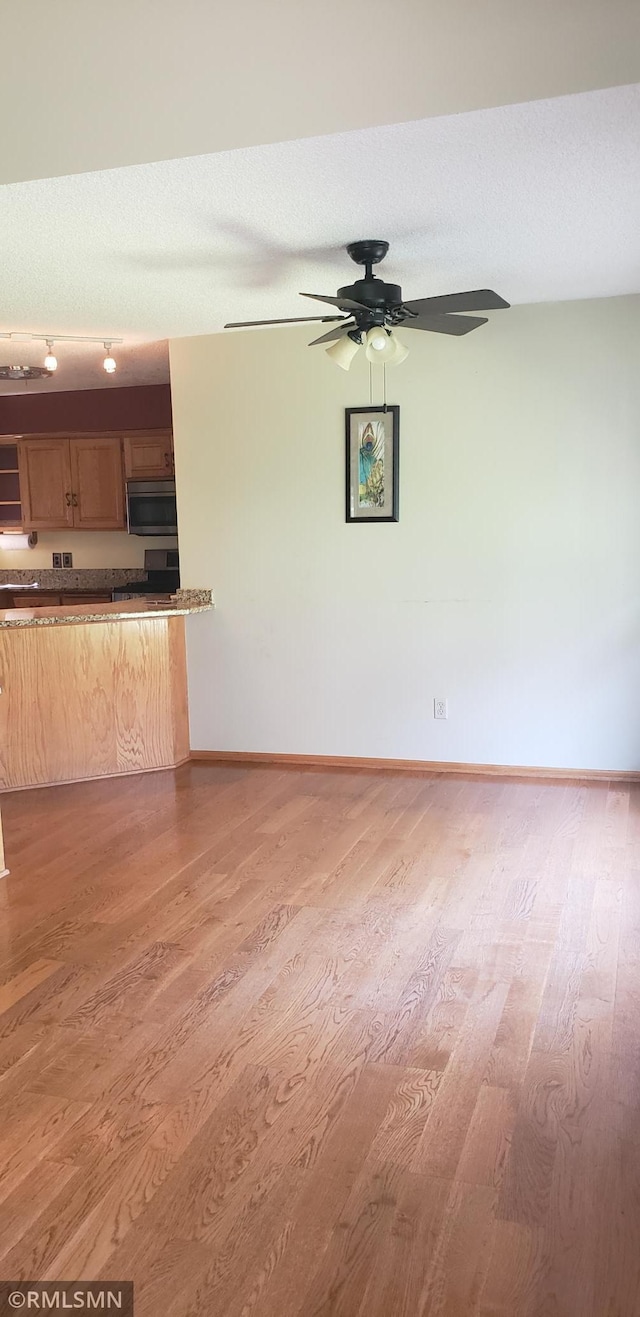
10, 503
49, 599
45, 484
91, 699
97, 484
149, 455
32, 599
72, 483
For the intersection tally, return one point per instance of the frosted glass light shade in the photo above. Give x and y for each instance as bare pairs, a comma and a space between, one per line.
109, 364
380, 345
50, 361
343, 351
400, 353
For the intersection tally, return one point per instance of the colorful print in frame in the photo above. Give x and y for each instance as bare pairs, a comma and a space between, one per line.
372, 435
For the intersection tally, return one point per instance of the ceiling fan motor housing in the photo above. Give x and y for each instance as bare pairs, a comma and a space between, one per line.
380, 298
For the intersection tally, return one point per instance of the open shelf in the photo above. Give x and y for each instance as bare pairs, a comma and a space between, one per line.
10, 504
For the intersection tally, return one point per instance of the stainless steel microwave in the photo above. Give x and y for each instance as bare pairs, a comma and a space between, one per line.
151, 507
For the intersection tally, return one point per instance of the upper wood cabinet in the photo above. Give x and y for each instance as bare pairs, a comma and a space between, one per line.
45, 484
72, 483
148, 456
97, 484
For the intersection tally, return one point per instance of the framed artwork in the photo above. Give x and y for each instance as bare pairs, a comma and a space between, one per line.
372, 463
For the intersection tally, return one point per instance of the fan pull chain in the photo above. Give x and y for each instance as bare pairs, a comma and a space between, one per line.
370, 385
384, 385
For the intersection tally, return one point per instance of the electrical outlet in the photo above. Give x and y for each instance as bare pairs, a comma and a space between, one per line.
440, 708
67, 560
56, 559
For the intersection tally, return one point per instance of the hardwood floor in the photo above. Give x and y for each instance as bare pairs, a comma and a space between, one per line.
281, 1043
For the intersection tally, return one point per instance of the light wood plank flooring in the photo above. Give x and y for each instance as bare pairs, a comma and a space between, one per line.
279, 1043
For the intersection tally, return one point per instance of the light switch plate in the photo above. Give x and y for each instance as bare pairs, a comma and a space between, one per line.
67, 560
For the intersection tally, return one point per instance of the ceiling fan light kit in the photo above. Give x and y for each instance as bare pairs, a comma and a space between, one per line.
372, 309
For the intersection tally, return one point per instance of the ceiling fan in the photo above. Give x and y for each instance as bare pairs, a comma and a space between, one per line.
25, 373
373, 309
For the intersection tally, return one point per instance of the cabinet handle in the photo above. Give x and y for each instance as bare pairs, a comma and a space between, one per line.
167, 459
74, 500
68, 499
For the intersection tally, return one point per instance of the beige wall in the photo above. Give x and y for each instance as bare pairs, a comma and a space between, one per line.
89, 549
509, 586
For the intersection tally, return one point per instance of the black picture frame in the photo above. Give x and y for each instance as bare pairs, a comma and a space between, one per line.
354, 418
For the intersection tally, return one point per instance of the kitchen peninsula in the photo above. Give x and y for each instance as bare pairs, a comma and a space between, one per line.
93, 689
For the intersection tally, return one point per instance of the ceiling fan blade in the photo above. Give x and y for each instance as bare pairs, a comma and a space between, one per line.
295, 320
344, 303
482, 299
445, 324
334, 333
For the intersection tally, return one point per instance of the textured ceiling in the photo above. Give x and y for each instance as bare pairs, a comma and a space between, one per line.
540, 201
96, 85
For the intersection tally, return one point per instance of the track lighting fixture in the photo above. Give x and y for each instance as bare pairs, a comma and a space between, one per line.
109, 362
50, 361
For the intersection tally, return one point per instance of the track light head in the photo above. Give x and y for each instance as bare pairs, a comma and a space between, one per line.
50, 361
109, 362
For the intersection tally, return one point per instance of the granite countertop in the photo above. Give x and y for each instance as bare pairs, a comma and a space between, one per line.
182, 604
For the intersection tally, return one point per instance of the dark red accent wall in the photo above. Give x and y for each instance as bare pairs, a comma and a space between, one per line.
140, 407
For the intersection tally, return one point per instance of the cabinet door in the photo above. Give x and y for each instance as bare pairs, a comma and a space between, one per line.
35, 599
148, 456
97, 483
45, 484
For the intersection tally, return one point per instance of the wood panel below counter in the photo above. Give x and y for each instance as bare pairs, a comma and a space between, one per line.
89, 700
3, 870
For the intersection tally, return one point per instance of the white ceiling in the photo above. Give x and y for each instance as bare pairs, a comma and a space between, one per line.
540, 201
96, 85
